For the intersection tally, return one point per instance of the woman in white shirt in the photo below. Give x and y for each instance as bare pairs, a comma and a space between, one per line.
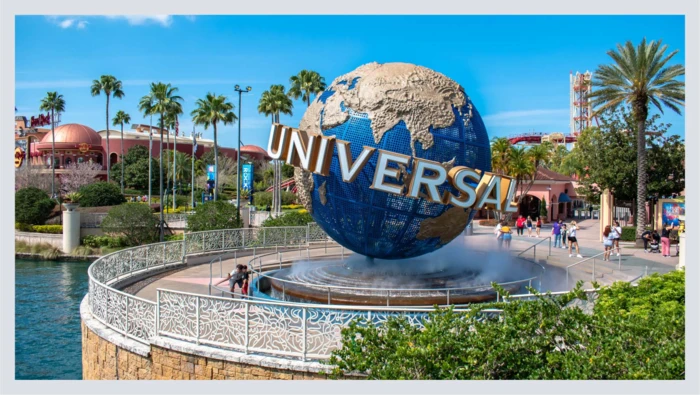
572, 239
617, 231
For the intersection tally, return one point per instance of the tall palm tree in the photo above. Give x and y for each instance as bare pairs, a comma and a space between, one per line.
639, 77
111, 86
274, 102
53, 102
305, 84
146, 107
210, 111
163, 97
120, 119
500, 149
174, 111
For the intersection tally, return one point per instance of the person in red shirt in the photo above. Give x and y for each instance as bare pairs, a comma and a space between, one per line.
520, 224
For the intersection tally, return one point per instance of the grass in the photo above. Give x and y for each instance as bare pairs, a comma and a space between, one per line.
46, 250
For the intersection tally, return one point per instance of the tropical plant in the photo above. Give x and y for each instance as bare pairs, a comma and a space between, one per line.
133, 221
639, 76
212, 216
146, 107
32, 206
53, 102
500, 148
305, 84
120, 119
163, 97
100, 194
291, 218
110, 86
275, 102
212, 110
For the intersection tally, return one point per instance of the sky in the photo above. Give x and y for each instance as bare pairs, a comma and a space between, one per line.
514, 68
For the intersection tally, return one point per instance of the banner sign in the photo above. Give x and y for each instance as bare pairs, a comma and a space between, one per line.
670, 212
247, 177
211, 172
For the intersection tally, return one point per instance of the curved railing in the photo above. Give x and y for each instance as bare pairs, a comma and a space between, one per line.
270, 327
258, 269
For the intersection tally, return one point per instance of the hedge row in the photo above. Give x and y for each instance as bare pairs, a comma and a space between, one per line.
53, 229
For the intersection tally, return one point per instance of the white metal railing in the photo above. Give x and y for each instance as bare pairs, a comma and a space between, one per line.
94, 220
592, 258
258, 268
534, 248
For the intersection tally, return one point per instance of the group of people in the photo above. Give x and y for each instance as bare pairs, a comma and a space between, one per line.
565, 236
239, 276
652, 238
143, 198
611, 240
523, 223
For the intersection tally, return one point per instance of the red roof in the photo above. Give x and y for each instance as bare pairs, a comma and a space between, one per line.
254, 150
549, 175
75, 134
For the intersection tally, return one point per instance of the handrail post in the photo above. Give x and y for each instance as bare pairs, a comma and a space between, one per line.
221, 268
197, 322
264, 236
163, 254
534, 253
307, 234
448, 297
619, 262
387, 298
498, 296
157, 311
550, 246
210, 275
329, 295
303, 326
593, 270
243, 238
222, 240
285, 237
126, 315
247, 326
184, 246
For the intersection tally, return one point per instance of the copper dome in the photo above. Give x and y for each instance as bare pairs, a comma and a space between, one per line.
74, 133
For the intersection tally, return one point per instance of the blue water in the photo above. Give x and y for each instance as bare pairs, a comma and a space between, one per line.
47, 319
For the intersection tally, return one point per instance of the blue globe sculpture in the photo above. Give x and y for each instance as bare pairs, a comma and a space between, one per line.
405, 109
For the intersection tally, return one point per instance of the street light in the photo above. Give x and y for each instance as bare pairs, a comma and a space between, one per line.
240, 91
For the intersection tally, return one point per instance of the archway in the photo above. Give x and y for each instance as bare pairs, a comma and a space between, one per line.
530, 206
554, 208
113, 158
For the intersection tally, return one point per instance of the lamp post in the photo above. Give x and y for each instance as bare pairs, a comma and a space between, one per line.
240, 91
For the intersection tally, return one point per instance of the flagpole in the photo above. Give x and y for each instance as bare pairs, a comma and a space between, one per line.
194, 150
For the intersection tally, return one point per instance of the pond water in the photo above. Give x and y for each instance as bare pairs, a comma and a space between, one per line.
47, 319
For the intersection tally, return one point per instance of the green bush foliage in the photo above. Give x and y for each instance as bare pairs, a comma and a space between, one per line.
93, 241
32, 206
53, 229
176, 237
263, 199
101, 194
632, 333
291, 218
212, 216
629, 233
134, 222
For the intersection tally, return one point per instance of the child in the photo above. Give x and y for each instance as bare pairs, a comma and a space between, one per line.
563, 235
505, 231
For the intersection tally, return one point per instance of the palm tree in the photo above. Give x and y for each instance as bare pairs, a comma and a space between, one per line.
120, 119
146, 107
500, 148
639, 77
210, 111
163, 97
53, 102
305, 84
111, 86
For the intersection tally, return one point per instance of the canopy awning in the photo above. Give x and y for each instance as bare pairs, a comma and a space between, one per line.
564, 198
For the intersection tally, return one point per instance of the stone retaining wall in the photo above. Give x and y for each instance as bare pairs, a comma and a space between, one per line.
55, 240
108, 355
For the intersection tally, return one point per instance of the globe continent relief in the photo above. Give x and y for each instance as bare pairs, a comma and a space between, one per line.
406, 109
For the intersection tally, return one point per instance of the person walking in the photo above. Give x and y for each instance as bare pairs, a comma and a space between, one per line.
499, 234
666, 241
505, 231
607, 242
564, 243
572, 239
528, 223
520, 225
617, 231
538, 226
556, 234
235, 278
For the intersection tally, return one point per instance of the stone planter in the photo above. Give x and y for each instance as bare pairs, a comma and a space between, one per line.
70, 206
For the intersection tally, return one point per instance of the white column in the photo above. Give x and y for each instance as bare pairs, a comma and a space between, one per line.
681, 250
71, 230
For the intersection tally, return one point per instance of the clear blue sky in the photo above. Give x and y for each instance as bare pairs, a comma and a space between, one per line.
515, 68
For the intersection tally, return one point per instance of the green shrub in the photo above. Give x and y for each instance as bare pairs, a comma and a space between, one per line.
101, 194
32, 206
262, 199
85, 251
93, 241
53, 229
632, 333
176, 237
291, 218
212, 216
629, 233
134, 222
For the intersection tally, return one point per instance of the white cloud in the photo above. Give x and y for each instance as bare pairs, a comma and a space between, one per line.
81, 24
66, 23
163, 20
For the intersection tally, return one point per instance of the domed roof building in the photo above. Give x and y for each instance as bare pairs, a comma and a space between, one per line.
73, 143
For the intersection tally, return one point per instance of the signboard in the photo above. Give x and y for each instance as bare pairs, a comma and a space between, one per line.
40, 120
670, 211
83, 147
211, 172
247, 177
19, 157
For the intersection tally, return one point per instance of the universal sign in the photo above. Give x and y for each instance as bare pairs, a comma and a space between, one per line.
313, 152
